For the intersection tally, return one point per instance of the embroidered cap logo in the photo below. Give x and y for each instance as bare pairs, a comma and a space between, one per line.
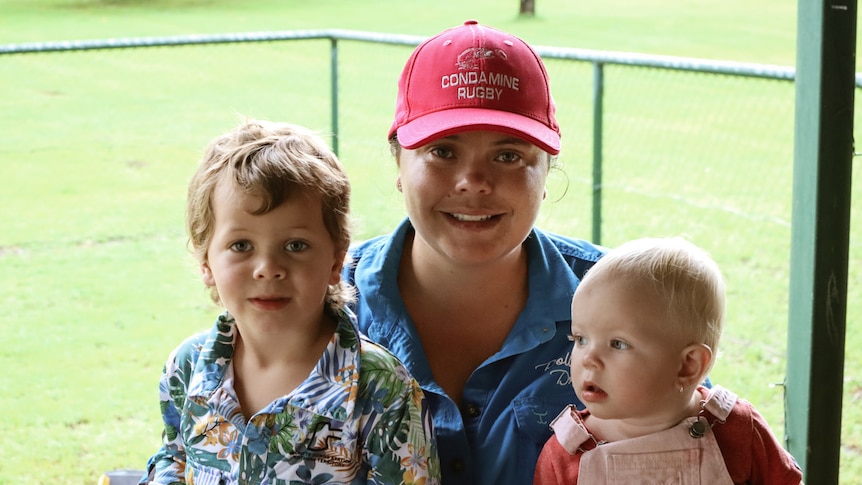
476, 78
469, 59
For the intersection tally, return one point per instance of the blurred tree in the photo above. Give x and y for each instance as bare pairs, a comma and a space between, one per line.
528, 7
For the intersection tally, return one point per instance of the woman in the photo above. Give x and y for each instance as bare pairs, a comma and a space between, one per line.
472, 298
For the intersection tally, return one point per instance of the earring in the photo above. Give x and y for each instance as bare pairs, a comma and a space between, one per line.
398, 185
680, 389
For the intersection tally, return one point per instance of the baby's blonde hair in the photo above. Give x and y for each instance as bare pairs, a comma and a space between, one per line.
271, 161
680, 273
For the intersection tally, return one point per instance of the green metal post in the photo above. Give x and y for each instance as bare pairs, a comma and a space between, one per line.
598, 108
823, 152
333, 57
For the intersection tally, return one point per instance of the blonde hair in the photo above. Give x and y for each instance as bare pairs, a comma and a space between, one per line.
682, 275
271, 161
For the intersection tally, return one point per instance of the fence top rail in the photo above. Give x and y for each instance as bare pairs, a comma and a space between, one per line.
585, 55
670, 62
175, 40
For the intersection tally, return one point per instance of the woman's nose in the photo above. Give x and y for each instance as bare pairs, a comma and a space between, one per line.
474, 178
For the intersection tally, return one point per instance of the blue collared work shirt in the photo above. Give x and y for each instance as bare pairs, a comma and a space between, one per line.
495, 437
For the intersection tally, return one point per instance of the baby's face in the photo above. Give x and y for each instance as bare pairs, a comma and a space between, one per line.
625, 358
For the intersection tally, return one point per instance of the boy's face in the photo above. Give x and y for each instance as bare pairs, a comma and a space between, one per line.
273, 268
625, 358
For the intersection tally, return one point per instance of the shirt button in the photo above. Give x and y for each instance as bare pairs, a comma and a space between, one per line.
458, 465
472, 410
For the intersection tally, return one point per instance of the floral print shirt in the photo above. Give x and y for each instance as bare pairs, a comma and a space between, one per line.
358, 418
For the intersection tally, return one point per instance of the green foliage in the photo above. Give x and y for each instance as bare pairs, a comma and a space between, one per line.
97, 286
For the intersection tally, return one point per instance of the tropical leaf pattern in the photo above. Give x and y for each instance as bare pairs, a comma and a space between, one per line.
359, 418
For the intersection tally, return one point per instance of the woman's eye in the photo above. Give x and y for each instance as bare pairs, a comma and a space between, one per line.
296, 246
241, 246
509, 157
619, 345
442, 152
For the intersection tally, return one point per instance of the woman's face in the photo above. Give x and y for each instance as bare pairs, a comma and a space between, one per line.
473, 197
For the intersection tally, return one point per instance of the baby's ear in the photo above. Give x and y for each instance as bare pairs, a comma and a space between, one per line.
695, 364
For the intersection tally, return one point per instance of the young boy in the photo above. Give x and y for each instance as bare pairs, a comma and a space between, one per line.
283, 389
646, 321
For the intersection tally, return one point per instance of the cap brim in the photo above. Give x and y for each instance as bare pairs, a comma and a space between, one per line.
456, 120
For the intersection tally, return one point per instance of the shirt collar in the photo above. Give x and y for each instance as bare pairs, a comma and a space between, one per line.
552, 283
328, 388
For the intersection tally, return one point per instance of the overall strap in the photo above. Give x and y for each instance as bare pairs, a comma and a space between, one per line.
569, 430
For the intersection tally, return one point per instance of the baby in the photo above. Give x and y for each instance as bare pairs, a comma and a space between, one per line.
646, 321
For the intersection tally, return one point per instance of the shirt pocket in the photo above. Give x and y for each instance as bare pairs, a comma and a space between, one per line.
197, 474
534, 415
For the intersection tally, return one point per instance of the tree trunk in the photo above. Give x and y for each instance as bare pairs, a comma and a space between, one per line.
528, 7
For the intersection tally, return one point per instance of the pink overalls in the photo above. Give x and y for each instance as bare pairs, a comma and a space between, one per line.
686, 454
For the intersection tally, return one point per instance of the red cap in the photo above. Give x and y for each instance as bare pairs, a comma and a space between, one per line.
474, 77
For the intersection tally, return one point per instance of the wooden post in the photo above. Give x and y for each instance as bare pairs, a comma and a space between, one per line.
820, 233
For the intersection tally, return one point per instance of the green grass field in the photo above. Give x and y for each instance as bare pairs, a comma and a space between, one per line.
96, 148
